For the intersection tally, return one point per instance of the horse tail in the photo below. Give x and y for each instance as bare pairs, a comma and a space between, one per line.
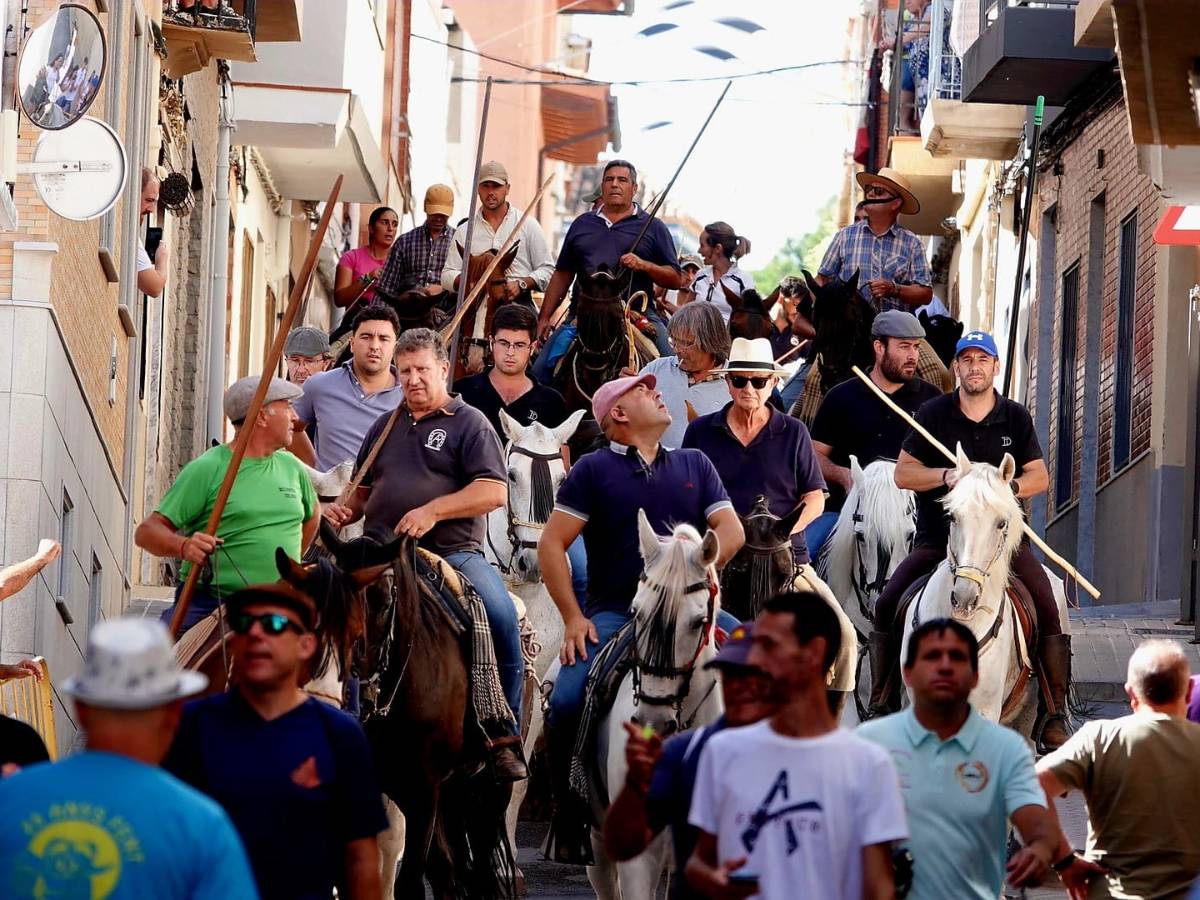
476, 838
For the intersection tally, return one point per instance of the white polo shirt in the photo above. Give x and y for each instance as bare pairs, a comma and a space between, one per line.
708, 288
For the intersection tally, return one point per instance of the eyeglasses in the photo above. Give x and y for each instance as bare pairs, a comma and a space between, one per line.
510, 347
305, 362
680, 344
273, 624
759, 381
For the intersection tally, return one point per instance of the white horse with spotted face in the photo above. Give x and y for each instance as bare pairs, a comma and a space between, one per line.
873, 534
970, 586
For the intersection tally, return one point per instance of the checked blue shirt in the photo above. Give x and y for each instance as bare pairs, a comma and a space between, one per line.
416, 259
897, 255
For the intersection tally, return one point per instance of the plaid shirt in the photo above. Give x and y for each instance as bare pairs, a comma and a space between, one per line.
416, 260
896, 255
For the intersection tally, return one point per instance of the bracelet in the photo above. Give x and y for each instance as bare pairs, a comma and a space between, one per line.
1015, 486
945, 474
182, 546
1065, 863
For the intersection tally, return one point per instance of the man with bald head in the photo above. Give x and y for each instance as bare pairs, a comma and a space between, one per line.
1142, 785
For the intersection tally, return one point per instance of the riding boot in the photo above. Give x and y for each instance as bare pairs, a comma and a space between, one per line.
508, 759
569, 837
884, 693
1054, 656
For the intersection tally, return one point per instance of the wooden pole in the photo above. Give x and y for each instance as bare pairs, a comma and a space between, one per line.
945, 451
451, 328
270, 364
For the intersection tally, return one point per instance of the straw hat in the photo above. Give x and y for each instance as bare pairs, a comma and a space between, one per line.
131, 665
753, 357
894, 182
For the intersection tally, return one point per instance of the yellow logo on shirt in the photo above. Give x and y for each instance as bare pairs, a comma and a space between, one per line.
75, 850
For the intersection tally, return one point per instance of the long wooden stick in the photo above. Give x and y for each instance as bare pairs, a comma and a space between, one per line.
270, 364
450, 327
945, 451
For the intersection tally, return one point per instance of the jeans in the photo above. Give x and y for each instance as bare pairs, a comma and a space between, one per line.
555, 349
818, 531
661, 340
201, 605
566, 700
502, 619
577, 556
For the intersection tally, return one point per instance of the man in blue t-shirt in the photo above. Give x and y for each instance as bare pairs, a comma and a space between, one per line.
659, 782
600, 499
108, 822
294, 774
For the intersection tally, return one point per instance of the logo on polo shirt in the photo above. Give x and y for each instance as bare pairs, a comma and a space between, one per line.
972, 776
532, 416
436, 439
1006, 442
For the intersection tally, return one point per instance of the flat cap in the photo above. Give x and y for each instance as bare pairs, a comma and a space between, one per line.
306, 341
896, 323
239, 394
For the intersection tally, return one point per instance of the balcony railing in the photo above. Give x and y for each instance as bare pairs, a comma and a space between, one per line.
991, 10
945, 68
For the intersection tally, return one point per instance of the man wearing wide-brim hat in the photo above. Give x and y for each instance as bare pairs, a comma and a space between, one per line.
109, 821
890, 260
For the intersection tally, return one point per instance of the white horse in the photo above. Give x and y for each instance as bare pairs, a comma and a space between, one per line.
873, 534
536, 467
970, 586
669, 688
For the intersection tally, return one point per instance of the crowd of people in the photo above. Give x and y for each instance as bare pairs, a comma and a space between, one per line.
266, 791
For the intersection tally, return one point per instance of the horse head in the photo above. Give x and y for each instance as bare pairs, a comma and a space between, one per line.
478, 264
942, 333
750, 317
763, 566
533, 457
674, 611
842, 320
985, 531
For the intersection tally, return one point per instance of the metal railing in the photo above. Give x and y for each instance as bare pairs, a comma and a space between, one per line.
945, 68
31, 701
991, 10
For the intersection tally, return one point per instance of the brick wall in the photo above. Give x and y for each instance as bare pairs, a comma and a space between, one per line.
1072, 193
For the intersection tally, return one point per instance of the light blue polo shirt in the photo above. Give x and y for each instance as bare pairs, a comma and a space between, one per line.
343, 411
958, 794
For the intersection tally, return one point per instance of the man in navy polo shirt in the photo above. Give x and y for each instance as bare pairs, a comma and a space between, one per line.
600, 499
605, 237
987, 426
661, 777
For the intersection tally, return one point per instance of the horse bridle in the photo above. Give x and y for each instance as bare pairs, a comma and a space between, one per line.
514, 522
974, 573
603, 354
685, 672
858, 574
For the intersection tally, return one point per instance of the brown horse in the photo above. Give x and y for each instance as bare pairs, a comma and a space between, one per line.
751, 316
416, 699
477, 325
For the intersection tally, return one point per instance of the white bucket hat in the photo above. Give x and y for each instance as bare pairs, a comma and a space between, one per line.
753, 357
131, 665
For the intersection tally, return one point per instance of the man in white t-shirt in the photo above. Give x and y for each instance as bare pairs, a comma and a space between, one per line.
151, 275
796, 806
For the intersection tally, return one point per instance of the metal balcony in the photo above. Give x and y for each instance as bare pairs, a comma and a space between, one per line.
1026, 48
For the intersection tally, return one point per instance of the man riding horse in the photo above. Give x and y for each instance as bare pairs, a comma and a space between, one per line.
603, 239
987, 426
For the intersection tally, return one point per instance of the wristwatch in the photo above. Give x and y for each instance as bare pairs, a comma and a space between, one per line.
1016, 488
1065, 863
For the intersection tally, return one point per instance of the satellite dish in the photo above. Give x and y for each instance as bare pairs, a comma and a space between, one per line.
62, 66
78, 172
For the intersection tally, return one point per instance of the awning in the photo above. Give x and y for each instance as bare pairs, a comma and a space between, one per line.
1157, 92
577, 122
604, 7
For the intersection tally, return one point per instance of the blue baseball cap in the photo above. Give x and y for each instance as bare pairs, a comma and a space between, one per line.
979, 340
736, 649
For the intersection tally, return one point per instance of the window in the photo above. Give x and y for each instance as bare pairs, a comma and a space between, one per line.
65, 522
115, 33
95, 592
246, 307
1064, 457
1123, 388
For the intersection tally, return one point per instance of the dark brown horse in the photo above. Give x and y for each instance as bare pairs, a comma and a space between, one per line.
751, 316
416, 696
473, 356
764, 566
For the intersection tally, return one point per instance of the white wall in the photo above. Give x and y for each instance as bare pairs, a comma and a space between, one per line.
428, 101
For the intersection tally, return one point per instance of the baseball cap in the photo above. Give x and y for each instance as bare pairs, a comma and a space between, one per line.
611, 392
691, 260
896, 323
306, 341
493, 172
736, 650
239, 394
439, 200
980, 340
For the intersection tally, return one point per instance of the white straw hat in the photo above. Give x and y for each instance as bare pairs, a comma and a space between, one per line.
751, 356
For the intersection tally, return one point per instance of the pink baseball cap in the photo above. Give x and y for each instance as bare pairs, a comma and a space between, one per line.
612, 391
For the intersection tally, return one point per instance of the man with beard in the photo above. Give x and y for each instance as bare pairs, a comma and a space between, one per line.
852, 422
987, 426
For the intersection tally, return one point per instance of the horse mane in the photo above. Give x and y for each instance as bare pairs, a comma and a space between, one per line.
659, 599
981, 490
885, 511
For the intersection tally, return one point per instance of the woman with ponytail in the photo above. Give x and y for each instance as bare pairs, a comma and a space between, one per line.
721, 248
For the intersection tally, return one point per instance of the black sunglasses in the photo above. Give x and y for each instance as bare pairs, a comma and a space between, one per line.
273, 624
759, 381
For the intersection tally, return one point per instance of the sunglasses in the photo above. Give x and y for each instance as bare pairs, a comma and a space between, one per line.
759, 381
273, 624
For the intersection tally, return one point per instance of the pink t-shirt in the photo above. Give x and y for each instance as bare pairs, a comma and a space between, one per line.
361, 262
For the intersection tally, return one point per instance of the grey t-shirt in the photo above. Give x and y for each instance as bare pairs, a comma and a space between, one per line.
342, 411
430, 457
672, 382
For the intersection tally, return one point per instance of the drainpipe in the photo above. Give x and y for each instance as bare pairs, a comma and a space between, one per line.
220, 267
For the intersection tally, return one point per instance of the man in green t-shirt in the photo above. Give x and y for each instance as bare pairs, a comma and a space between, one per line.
272, 504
